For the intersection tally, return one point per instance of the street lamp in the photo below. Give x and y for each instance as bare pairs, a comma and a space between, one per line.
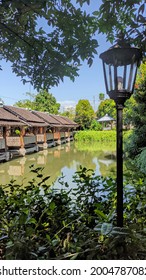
120, 64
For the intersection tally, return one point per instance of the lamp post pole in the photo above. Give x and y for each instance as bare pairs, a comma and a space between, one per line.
119, 156
120, 63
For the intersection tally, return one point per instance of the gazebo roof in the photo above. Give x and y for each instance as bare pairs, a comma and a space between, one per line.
106, 118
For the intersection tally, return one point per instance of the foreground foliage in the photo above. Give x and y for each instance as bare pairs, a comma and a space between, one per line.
41, 222
43, 49
127, 17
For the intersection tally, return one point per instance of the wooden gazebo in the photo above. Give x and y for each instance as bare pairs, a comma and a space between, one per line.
28, 132
9, 124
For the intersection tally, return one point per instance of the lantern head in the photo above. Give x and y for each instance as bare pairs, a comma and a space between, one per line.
120, 64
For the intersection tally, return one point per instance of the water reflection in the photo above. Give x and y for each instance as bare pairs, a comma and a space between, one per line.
64, 159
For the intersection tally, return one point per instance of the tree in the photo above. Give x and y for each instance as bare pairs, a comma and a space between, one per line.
26, 103
95, 125
46, 102
114, 17
70, 113
107, 106
137, 141
43, 101
101, 96
45, 40
128, 111
84, 113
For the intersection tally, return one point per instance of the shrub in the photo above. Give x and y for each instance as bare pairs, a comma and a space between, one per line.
41, 222
95, 136
95, 125
140, 161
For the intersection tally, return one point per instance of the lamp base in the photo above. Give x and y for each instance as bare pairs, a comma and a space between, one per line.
119, 96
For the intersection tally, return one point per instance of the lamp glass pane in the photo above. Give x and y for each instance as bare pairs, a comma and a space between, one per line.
120, 78
109, 70
131, 77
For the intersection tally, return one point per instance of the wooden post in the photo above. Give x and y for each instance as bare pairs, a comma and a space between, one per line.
35, 130
5, 135
45, 145
45, 136
53, 130
68, 138
22, 133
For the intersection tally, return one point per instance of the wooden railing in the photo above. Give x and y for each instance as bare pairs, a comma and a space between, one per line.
29, 139
62, 134
13, 141
40, 138
2, 143
67, 134
49, 136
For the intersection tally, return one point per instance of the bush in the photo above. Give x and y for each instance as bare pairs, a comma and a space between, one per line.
95, 125
95, 136
100, 136
41, 222
140, 161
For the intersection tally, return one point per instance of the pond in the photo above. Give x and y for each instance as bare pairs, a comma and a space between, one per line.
64, 159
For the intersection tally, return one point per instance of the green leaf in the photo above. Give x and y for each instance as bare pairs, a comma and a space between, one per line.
106, 228
100, 214
32, 221
52, 205
74, 257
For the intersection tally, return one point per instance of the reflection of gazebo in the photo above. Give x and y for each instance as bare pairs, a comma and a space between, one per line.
106, 119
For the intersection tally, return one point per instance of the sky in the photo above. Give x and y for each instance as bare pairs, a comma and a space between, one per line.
87, 86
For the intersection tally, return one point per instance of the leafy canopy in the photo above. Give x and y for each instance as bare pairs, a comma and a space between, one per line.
84, 113
108, 107
47, 40
43, 101
124, 16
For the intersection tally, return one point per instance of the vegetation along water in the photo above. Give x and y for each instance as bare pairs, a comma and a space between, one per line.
76, 221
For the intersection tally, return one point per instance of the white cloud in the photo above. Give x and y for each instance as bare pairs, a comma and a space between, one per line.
67, 104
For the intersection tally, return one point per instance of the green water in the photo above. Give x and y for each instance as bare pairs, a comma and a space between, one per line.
64, 159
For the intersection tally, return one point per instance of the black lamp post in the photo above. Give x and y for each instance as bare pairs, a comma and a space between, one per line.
120, 64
